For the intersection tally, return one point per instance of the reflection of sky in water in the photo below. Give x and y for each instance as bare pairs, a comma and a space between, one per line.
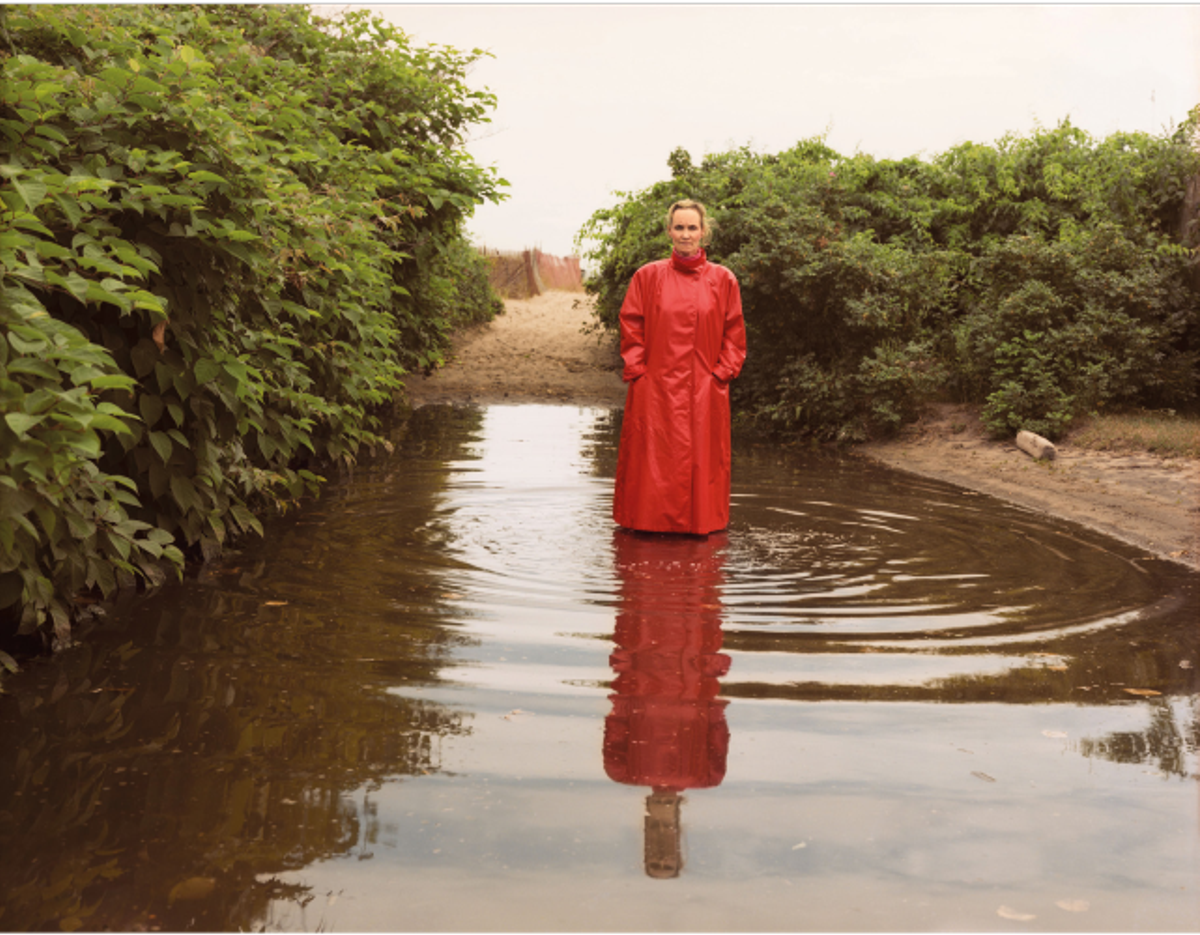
829, 815
530, 445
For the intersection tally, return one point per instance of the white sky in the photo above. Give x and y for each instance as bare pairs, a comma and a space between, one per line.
594, 97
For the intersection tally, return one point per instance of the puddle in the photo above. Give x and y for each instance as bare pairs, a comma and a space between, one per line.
452, 696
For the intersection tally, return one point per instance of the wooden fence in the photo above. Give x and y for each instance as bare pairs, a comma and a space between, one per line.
524, 274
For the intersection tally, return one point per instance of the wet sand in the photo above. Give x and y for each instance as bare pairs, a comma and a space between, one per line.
1137, 497
538, 352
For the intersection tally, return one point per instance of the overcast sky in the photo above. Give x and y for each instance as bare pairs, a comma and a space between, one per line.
593, 98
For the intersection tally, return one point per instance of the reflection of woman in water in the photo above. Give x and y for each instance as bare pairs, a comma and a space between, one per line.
682, 339
667, 728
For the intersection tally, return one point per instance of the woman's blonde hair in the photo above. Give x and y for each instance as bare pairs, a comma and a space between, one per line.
706, 226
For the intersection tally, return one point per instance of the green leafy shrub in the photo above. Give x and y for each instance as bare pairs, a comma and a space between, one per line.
1061, 328
250, 224
63, 521
1043, 277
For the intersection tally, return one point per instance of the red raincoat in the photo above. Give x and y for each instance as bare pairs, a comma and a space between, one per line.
682, 339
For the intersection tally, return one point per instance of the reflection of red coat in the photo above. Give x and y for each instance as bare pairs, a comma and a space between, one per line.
667, 727
682, 339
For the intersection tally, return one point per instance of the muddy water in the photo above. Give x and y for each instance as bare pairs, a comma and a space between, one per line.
451, 696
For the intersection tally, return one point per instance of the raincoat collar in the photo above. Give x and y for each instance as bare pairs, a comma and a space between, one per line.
689, 264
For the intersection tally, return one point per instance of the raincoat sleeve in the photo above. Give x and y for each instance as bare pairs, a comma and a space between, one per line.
633, 328
733, 341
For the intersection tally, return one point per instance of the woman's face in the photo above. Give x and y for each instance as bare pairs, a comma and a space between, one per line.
685, 231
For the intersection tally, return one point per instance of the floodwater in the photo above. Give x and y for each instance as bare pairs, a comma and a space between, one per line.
451, 696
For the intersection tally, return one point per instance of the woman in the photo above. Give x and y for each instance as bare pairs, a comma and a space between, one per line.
682, 339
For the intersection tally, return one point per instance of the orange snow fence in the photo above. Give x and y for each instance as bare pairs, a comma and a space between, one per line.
531, 272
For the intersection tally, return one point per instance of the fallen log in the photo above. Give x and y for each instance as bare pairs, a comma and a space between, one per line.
1038, 448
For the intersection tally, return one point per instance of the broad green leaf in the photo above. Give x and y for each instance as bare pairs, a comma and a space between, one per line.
184, 492
144, 355
77, 285
32, 193
113, 382
98, 293
267, 445
160, 480
161, 442
115, 76
207, 370
151, 408
48, 250
111, 424
51, 132
144, 85
21, 423
87, 442
36, 346
100, 574
203, 175
119, 544
49, 520
29, 222
37, 368
247, 520
84, 375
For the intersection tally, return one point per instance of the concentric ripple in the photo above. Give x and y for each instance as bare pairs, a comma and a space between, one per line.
822, 547
496, 525
832, 571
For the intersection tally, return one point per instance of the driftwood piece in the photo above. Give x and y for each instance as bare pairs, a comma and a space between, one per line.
1038, 448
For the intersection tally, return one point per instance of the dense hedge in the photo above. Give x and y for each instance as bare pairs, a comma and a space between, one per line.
226, 232
1043, 277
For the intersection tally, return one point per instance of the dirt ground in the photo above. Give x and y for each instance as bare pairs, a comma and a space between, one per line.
1142, 499
534, 353
537, 352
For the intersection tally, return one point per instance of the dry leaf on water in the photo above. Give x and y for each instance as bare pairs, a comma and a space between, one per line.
193, 888
984, 776
274, 603
1143, 692
1073, 905
1005, 913
1054, 733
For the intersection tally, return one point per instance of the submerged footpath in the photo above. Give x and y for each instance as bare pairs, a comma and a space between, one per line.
539, 351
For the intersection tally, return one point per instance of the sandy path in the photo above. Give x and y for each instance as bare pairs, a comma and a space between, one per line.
536, 352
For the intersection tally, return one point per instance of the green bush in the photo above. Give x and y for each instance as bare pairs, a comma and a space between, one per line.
1073, 326
248, 224
1042, 277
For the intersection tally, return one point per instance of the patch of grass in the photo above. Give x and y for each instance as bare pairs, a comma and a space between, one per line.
1165, 433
